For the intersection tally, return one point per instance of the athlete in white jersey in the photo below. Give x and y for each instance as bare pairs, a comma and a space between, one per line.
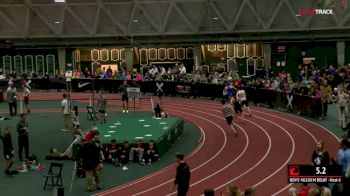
242, 98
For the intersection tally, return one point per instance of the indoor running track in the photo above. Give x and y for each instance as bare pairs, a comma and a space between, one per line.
267, 142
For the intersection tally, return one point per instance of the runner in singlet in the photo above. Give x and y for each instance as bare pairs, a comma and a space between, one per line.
230, 91
242, 98
227, 110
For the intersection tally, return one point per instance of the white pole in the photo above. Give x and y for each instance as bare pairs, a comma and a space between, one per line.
20, 106
90, 102
152, 104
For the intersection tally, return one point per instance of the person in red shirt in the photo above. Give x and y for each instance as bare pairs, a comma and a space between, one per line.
88, 135
238, 82
112, 152
282, 74
304, 189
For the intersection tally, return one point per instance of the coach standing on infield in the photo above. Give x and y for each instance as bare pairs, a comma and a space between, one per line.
183, 175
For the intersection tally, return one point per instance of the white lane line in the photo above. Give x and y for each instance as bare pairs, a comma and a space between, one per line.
206, 162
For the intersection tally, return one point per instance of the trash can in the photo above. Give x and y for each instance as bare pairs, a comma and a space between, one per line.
58, 191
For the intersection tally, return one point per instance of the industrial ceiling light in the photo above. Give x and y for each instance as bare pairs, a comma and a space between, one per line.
135, 20
215, 18
57, 22
60, 1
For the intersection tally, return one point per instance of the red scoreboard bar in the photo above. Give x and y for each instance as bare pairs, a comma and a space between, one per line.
314, 174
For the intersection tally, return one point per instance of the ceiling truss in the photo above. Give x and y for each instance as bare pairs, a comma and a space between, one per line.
132, 18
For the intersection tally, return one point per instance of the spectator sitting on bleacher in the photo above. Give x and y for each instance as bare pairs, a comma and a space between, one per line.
109, 73
124, 155
112, 152
103, 73
76, 74
153, 71
139, 77
151, 155
182, 69
327, 91
275, 84
116, 74
129, 76
2, 75
122, 76
136, 152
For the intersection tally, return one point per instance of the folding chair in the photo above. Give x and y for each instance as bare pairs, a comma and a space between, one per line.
54, 175
91, 113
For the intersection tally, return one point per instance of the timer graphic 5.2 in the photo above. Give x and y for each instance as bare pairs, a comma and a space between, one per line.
314, 174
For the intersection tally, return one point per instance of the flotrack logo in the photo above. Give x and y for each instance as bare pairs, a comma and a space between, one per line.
315, 12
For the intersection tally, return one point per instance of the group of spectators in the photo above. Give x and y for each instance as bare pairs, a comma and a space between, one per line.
100, 73
123, 154
22, 130
90, 155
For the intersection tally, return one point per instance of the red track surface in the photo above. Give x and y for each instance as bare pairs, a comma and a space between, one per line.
267, 143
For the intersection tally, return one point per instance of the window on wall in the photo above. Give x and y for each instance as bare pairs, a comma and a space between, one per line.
259, 50
211, 47
104, 55
94, 67
162, 54
28, 62
114, 55
77, 56
240, 50
259, 62
95, 55
7, 64
153, 54
180, 52
18, 65
251, 67
250, 50
39, 62
221, 47
143, 56
171, 54
122, 54
230, 51
189, 53
50, 64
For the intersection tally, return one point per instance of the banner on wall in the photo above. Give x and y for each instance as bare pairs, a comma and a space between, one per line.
309, 60
183, 89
